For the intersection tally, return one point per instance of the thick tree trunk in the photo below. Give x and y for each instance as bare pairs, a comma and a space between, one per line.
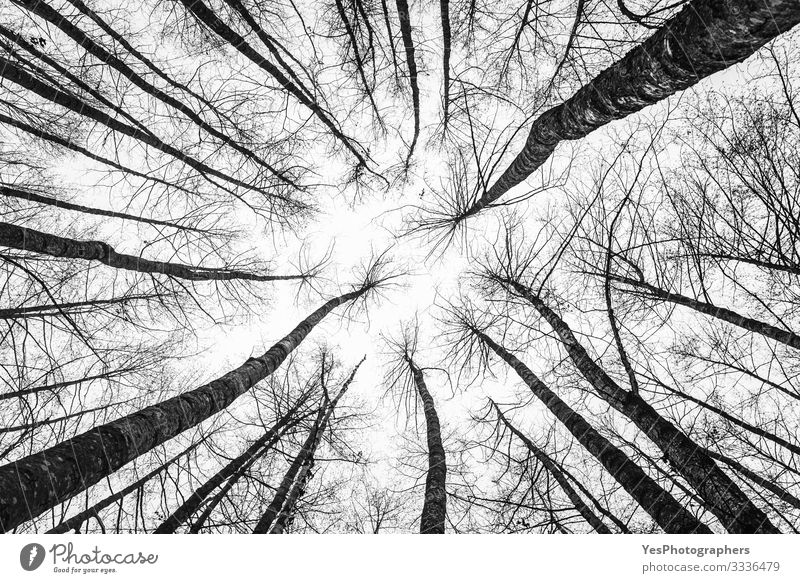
706, 36
30, 240
756, 326
196, 499
719, 493
434, 510
38, 482
558, 475
76, 521
657, 502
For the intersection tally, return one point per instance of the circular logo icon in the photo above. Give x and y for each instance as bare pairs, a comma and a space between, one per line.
31, 556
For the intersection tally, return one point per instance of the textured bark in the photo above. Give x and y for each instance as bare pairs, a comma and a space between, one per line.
558, 475
408, 44
31, 485
719, 492
434, 510
657, 502
283, 504
706, 36
205, 15
17, 75
13, 192
37, 242
196, 499
43, 10
76, 521
444, 9
756, 326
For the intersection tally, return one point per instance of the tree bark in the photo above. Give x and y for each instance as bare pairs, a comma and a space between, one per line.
706, 36
434, 510
288, 493
657, 502
719, 493
756, 326
38, 482
408, 43
76, 521
30, 240
559, 476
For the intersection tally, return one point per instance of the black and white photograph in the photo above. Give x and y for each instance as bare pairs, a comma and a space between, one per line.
398, 267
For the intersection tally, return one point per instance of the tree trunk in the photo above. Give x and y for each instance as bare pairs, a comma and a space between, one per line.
719, 493
193, 503
706, 36
43, 10
434, 510
657, 502
756, 326
559, 476
38, 482
286, 496
30, 240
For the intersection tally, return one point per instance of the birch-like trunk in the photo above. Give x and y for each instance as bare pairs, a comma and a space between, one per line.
36, 483
706, 36
720, 494
76, 521
434, 509
657, 502
196, 499
581, 506
34, 241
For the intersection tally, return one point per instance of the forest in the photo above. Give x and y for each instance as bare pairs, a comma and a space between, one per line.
399, 266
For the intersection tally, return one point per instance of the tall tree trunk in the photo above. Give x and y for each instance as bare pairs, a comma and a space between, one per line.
719, 492
196, 499
559, 476
43, 10
13, 192
41, 133
19, 76
207, 16
657, 502
434, 510
444, 9
408, 43
31, 485
287, 494
706, 36
76, 521
30, 240
756, 326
